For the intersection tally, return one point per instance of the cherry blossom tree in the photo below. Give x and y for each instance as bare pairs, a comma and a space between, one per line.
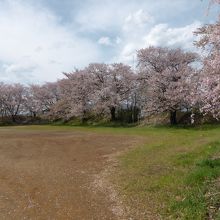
209, 89
42, 99
122, 84
210, 79
166, 75
99, 82
112, 86
31, 102
2, 107
77, 92
12, 99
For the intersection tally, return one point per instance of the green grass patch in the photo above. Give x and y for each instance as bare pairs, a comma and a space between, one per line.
194, 204
170, 175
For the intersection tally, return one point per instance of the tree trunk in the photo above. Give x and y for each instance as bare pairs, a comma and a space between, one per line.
135, 112
113, 117
13, 117
84, 117
173, 120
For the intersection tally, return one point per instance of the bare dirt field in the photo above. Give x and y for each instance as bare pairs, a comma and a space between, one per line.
57, 173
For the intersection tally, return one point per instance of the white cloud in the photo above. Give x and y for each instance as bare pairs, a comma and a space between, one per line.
157, 35
101, 15
105, 41
37, 45
118, 40
108, 15
163, 35
17, 68
137, 20
33, 43
128, 52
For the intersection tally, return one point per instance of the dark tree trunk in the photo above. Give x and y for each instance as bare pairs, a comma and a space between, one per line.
113, 116
135, 114
13, 117
84, 117
173, 120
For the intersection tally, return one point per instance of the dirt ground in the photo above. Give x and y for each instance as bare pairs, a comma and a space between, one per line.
57, 174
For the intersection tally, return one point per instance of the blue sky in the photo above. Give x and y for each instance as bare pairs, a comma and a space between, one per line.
41, 39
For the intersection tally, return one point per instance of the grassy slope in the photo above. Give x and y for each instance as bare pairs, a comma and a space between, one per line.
171, 174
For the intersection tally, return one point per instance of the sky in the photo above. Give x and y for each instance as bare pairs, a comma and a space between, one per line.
39, 40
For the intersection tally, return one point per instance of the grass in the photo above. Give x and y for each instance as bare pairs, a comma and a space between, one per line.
194, 203
170, 175
173, 174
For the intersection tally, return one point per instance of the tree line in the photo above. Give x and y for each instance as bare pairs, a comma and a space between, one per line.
165, 80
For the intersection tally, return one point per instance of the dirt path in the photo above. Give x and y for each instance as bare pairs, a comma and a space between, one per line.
51, 174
